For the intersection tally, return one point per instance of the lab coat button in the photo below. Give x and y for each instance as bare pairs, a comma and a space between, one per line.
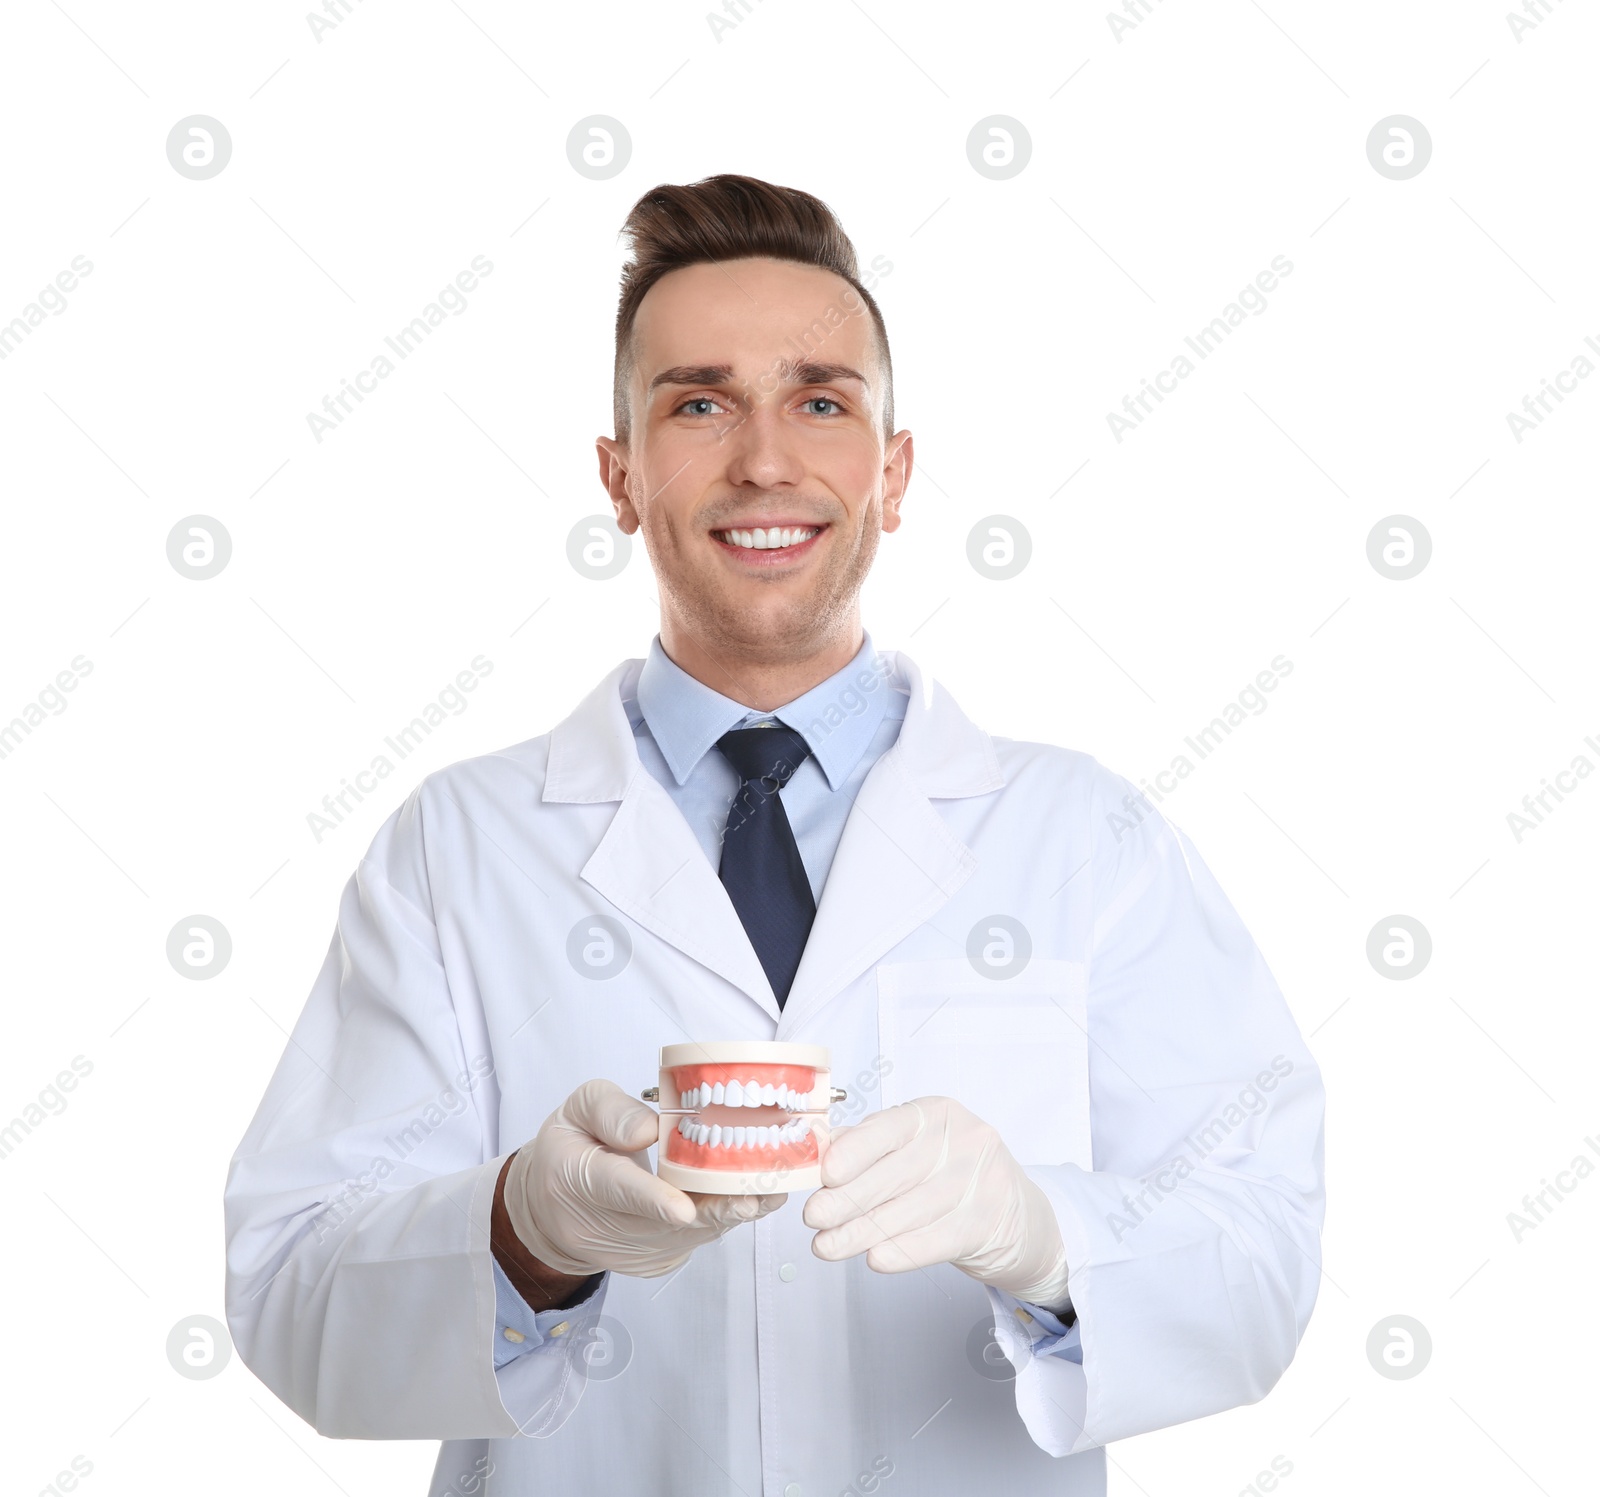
793, 1489
513, 1335
787, 1273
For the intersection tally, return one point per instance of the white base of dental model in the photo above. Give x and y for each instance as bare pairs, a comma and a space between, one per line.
742, 1117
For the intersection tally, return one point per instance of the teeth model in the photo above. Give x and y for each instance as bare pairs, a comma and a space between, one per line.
743, 1117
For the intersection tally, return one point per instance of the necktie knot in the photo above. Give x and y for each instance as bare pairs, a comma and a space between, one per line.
770, 755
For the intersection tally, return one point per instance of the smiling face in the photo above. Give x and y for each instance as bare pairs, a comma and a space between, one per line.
756, 466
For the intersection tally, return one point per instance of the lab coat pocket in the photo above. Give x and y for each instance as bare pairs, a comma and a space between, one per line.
1015, 1050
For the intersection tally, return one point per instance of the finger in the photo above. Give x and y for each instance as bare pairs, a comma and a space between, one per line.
655, 1267
890, 1176
901, 1256
615, 1182
721, 1213
935, 1243
603, 1110
910, 1212
726, 1212
853, 1149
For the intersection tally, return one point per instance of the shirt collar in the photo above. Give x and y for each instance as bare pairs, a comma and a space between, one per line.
837, 717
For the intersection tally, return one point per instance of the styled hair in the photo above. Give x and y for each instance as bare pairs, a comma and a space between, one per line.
729, 218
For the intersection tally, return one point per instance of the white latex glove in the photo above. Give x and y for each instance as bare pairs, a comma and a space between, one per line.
582, 1198
929, 1182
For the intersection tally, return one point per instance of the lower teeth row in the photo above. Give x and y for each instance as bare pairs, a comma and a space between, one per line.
738, 1137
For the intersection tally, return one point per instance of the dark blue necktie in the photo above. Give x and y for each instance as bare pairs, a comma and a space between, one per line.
761, 866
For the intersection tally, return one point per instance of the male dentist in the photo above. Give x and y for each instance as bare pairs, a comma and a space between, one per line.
1075, 1192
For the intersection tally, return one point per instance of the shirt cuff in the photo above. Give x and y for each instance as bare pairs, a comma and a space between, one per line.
518, 1329
1051, 1334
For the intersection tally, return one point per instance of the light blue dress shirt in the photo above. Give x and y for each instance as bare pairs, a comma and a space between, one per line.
848, 721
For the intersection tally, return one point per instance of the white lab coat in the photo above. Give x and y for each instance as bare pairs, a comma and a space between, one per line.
1142, 1066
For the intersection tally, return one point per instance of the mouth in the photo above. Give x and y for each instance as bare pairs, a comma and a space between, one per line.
768, 545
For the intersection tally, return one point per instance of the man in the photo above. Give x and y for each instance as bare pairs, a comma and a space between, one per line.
1075, 1188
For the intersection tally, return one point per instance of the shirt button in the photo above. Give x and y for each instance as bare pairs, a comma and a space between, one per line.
787, 1273
562, 1329
512, 1335
1023, 1315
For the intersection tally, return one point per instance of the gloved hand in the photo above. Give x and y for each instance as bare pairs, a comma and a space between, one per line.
582, 1198
930, 1182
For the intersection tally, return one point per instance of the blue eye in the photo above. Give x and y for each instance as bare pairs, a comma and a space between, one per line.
823, 400
700, 400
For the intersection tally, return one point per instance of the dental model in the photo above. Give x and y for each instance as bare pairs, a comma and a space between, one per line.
743, 1117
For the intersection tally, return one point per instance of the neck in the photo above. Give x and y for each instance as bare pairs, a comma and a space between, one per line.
762, 680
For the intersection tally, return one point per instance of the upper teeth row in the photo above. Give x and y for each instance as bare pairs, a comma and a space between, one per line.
769, 540
771, 1137
744, 1094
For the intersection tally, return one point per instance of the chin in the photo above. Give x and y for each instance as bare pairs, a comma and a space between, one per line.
760, 621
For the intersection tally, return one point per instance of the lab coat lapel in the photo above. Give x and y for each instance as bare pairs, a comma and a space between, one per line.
897, 863
649, 863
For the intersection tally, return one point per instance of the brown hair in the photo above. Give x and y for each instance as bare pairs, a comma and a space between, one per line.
729, 218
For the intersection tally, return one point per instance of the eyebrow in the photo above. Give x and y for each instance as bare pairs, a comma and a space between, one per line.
807, 372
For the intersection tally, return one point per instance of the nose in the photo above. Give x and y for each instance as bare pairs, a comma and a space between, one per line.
762, 452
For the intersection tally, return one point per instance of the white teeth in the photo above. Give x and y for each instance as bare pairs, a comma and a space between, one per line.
750, 1093
772, 538
772, 1136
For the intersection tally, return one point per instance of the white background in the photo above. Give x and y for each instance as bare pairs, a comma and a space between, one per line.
1168, 168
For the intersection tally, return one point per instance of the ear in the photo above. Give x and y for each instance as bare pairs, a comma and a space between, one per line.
897, 463
613, 457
